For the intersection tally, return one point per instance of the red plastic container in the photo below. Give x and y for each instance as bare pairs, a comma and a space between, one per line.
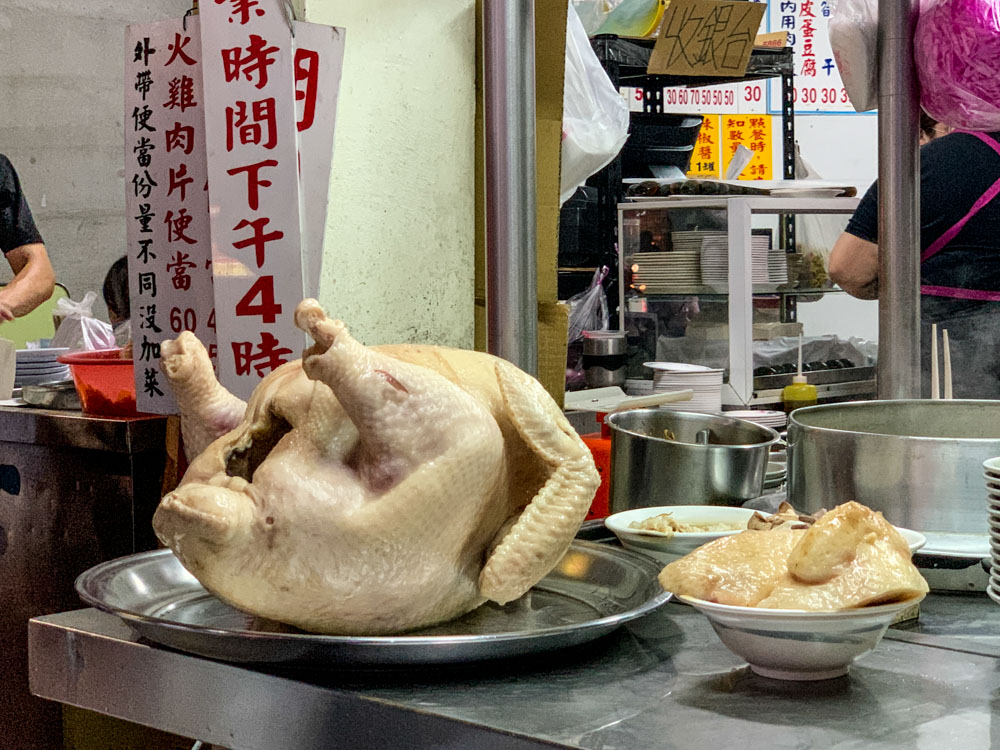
104, 381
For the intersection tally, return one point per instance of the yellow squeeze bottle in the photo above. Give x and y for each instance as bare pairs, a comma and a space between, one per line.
799, 393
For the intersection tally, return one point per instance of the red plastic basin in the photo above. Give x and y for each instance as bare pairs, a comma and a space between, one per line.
104, 381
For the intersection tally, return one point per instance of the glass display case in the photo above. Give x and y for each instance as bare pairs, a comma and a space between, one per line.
707, 282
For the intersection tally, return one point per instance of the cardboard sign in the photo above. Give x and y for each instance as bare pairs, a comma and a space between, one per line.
167, 234
772, 40
251, 126
706, 38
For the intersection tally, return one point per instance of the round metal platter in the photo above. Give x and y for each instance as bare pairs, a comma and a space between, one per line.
594, 589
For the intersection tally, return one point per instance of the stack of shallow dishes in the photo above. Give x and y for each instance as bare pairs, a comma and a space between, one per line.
39, 366
777, 266
776, 420
715, 258
658, 273
992, 472
706, 382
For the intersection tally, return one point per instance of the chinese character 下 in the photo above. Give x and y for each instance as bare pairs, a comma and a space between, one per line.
254, 182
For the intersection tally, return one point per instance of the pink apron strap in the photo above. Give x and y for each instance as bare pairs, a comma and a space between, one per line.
992, 192
959, 293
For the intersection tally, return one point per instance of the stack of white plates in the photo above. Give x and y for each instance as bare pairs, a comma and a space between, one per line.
777, 266
776, 420
37, 366
706, 382
992, 472
654, 273
715, 258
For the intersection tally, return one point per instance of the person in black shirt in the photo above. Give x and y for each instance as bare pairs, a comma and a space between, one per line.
959, 251
22, 246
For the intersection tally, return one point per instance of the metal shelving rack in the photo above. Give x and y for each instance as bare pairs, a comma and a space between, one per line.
625, 61
740, 389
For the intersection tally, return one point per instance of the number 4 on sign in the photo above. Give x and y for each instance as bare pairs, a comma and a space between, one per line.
267, 308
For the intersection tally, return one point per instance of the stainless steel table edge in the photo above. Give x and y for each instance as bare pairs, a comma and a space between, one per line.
200, 698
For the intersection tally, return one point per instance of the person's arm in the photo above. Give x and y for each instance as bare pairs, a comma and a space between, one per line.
33, 282
854, 266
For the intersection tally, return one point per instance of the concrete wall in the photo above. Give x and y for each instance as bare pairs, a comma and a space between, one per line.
61, 64
400, 234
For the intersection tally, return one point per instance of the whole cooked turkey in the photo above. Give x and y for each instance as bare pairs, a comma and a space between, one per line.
371, 490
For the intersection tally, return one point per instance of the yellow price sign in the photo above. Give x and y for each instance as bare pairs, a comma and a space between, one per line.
756, 132
706, 159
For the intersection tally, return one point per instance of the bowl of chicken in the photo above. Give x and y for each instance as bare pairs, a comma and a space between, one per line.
797, 644
802, 603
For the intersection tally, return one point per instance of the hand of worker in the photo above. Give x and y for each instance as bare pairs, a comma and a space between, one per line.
6, 312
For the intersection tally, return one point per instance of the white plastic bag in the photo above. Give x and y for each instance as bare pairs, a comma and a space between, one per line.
79, 329
853, 37
816, 234
588, 310
595, 115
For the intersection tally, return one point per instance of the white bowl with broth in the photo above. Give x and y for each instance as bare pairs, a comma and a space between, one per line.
718, 521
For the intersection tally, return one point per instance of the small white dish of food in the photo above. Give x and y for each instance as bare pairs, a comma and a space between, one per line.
668, 532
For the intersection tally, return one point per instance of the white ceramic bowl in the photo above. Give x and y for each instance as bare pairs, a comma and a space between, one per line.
667, 548
787, 644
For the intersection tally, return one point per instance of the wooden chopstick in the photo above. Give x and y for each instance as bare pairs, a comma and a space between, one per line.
935, 384
947, 363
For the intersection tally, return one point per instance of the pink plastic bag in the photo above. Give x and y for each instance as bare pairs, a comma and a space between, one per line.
957, 51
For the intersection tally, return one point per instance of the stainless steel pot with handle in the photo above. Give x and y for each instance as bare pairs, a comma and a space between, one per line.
919, 462
711, 460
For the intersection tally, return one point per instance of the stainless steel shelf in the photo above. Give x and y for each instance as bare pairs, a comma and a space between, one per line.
665, 680
757, 204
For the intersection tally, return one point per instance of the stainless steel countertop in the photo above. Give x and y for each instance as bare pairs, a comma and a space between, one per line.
74, 429
662, 682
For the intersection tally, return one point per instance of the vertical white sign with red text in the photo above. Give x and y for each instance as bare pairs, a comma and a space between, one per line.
250, 119
319, 62
169, 251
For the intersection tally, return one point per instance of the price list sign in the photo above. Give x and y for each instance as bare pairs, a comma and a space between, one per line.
169, 249
818, 86
250, 118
